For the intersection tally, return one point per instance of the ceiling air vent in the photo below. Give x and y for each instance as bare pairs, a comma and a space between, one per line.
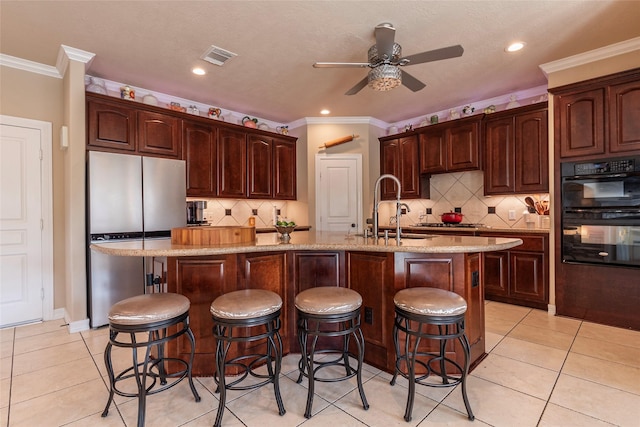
217, 56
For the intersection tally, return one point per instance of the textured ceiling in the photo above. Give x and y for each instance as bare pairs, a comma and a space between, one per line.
154, 44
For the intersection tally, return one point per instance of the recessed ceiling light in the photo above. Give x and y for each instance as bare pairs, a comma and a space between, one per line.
324, 111
199, 71
514, 47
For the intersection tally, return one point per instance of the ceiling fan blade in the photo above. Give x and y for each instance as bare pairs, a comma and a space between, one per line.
411, 82
358, 87
340, 65
435, 55
385, 33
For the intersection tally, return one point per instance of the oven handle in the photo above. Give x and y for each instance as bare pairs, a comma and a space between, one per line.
612, 175
605, 210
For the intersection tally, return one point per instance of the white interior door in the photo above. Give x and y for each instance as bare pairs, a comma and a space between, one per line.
339, 192
21, 247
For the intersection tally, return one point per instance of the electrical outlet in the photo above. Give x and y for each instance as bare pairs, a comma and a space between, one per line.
512, 215
368, 315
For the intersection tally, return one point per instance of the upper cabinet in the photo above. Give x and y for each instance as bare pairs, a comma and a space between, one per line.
451, 146
516, 151
599, 116
199, 150
117, 125
232, 163
159, 134
110, 125
399, 157
222, 159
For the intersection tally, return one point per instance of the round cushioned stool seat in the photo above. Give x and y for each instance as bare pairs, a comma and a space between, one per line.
430, 302
246, 304
149, 308
328, 300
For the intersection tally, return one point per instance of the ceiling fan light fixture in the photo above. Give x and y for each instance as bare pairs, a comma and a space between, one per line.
385, 77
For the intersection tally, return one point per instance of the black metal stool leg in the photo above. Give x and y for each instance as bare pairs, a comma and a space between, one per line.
109, 365
360, 344
221, 356
192, 341
466, 349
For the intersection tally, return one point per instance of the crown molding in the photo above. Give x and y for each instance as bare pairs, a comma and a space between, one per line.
68, 53
30, 66
615, 49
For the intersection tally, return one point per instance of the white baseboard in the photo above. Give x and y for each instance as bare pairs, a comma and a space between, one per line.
551, 309
77, 326
58, 313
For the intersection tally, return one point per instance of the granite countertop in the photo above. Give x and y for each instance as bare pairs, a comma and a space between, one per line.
308, 240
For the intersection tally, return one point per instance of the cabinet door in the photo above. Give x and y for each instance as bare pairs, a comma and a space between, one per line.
531, 153
624, 117
260, 165
111, 126
580, 123
232, 163
285, 178
201, 279
409, 173
159, 134
199, 152
499, 173
528, 279
369, 275
462, 147
433, 151
496, 273
389, 164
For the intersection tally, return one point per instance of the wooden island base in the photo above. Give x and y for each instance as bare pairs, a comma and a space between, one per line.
377, 276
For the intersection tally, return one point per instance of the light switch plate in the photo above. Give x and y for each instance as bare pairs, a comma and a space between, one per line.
512, 215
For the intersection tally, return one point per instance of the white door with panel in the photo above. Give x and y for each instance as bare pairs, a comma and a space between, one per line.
21, 225
339, 193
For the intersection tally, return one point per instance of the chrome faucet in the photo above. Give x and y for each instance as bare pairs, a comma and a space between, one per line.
376, 205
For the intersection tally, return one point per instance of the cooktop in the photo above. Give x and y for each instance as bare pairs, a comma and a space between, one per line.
442, 224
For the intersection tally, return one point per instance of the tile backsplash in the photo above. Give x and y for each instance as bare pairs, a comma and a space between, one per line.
461, 191
237, 212
464, 190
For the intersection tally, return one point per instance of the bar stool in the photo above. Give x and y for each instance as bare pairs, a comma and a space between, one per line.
329, 312
256, 313
416, 309
151, 314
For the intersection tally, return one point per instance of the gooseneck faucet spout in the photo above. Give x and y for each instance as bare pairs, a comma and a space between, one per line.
376, 205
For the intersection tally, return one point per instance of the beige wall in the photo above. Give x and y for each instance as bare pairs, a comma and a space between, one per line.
594, 69
38, 97
366, 144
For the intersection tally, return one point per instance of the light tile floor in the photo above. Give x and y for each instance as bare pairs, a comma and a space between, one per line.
540, 371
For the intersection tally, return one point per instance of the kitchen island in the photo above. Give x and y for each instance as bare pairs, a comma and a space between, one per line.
369, 266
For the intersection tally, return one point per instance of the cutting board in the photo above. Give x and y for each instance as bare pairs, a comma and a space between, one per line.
213, 235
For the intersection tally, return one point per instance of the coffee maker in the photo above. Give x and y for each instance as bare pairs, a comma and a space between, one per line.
195, 212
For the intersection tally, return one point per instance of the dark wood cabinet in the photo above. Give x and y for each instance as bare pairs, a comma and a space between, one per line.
520, 275
399, 157
285, 180
159, 134
370, 274
580, 123
110, 125
516, 151
232, 163
271, 168
599, 116
201, 279
199, 150
624, 117
121, 126
222, 159
451, 146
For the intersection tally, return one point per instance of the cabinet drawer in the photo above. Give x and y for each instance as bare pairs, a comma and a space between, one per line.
529, 242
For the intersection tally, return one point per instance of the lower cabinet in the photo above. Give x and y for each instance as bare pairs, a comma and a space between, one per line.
520, 275
201, 279
376, 276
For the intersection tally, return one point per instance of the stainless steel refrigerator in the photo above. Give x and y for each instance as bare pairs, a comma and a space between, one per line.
129, 198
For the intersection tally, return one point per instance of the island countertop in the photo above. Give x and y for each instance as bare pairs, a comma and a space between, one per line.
310, 240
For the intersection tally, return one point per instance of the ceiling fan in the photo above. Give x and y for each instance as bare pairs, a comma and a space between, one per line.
385, 60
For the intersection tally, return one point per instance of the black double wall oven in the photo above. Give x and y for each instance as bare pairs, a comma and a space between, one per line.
601, 212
